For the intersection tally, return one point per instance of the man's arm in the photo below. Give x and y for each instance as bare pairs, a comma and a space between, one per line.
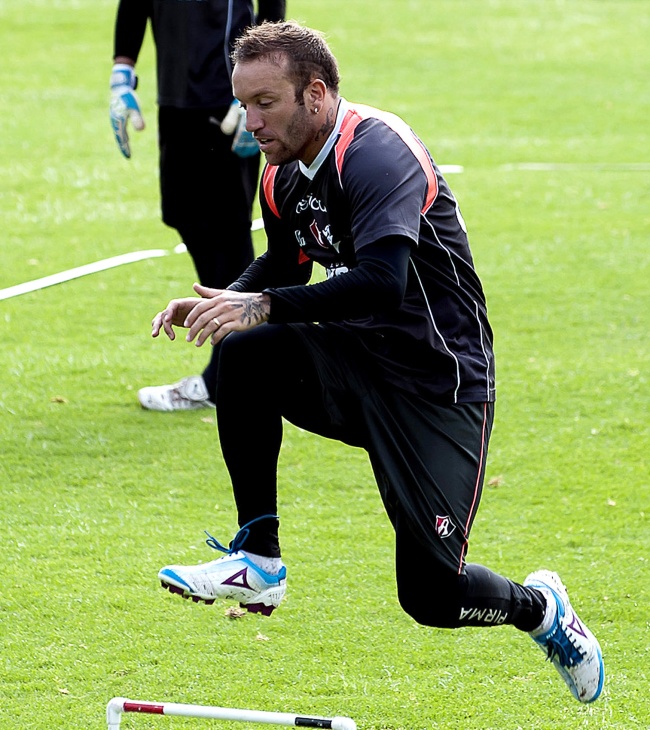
270, 270
376, 285
130, 26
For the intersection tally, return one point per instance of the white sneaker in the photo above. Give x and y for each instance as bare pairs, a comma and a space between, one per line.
567, 642
189, 394
234, 576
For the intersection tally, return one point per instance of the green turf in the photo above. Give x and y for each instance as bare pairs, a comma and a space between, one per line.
98, 494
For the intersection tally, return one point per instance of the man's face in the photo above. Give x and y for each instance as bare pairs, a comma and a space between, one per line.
285, 130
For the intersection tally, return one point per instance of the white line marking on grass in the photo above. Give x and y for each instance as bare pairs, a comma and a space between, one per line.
560, 166
127, 258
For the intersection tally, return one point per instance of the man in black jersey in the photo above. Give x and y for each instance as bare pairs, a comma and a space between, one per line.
392, 352
209, 165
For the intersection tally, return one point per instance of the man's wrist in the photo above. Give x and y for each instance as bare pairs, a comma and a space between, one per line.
265, 304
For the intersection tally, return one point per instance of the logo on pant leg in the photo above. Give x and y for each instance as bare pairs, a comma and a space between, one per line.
444, 525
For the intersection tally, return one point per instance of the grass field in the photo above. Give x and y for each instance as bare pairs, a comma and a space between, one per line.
97, 494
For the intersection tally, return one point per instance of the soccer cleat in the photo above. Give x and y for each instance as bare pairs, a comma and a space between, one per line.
189, 394
233, 576
568, 643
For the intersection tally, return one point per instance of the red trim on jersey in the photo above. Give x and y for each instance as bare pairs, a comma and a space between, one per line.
268, 180
348, 127
358, 113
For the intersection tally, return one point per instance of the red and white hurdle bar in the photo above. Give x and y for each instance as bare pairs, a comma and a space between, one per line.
119, 705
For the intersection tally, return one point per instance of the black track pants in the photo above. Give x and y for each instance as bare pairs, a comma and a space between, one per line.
428, 461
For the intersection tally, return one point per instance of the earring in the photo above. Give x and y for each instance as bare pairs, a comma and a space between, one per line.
315, 110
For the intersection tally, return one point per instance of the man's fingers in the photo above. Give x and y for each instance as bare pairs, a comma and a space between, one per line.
205, 291
206, 319
213, 330
167, 322
199, 312
164, 321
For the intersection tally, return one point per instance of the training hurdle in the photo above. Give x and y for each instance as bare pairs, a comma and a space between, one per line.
119, 705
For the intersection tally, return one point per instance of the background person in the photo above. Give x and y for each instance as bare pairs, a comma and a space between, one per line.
208, 169
400, 361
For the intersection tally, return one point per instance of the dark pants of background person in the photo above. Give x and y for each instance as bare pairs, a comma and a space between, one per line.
428, 461
207, 195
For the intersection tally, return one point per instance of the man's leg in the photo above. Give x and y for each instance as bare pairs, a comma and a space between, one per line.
476, 597
263, 375
207, 195
430, 475
429, 461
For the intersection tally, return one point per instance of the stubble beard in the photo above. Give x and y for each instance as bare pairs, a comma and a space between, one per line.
300, 133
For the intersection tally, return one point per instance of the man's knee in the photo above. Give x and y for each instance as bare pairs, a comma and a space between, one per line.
437, 604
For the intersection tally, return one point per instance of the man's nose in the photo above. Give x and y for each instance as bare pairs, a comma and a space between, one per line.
253, 120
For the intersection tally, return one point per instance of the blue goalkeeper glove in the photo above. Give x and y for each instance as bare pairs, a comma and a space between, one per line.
243, 142
124, 105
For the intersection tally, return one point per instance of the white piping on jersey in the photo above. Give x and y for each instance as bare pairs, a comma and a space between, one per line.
226, 38
435, 326
311, 171
478, 319
444, 248
487, 359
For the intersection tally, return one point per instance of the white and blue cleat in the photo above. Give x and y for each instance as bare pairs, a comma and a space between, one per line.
233, 577
567, 642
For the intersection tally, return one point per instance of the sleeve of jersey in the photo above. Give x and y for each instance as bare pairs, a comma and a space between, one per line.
130, 27
376, 285
384, 182
271, 10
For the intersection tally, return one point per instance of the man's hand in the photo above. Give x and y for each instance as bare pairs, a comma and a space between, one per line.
124, 105
221, 311
174, 315
218, 312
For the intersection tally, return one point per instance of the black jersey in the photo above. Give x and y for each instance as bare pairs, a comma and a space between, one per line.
375, 179
193, 41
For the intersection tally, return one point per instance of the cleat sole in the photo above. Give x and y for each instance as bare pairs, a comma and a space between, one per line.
258, 608
180, 592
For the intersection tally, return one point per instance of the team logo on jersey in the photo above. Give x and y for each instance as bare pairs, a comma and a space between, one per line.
324, 237
444, 525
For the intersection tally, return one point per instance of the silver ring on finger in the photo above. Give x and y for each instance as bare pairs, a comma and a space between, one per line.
217, 322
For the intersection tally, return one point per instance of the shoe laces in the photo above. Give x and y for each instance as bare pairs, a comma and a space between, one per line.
240, 537
560, 646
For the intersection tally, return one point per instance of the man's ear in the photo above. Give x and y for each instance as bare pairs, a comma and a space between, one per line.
314, 94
